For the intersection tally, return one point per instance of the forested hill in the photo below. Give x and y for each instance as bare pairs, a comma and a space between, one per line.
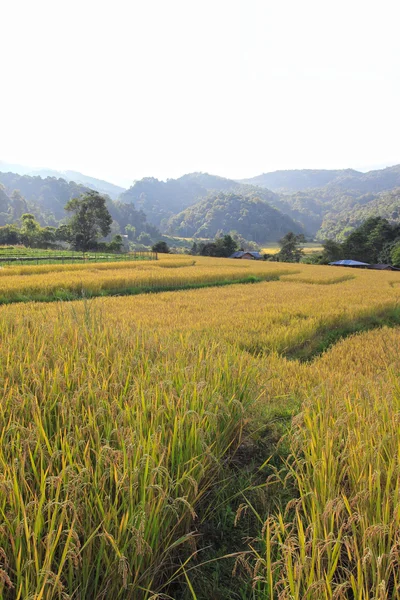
104, 187
298, 180
331, 180
374, 181
160, 200
327, 210
351, 212
46, 198
250, 216
49, 195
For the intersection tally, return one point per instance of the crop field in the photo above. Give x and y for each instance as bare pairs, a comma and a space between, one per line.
137, 433
66, 282
308, 248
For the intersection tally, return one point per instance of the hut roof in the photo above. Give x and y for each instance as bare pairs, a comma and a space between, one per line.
384, 267
241, 253
349, 263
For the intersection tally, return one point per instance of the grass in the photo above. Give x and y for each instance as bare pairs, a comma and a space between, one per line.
144, 438
20, 255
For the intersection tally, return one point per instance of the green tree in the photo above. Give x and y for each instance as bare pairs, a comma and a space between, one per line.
225, 246
395, 255
161, 247
91, 220
63, 233
332, 252
368, 242
30, 230
290, 247
9, 234
46, 237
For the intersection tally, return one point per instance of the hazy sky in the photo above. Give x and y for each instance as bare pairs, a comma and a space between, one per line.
122, 89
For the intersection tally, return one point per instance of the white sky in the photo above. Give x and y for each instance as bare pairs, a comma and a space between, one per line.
122, 89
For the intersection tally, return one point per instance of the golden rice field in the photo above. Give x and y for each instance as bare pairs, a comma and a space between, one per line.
308, 248
119, 417
67, 282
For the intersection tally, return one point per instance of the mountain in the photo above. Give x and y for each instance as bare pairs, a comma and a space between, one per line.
104, 187
324, 210
160, 200
297, 180
46, 198
372, 182
350, 214
99, 185
50, 194
333, 181
250, 216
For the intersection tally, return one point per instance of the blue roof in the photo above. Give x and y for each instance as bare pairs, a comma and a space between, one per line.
240, 253
350, 263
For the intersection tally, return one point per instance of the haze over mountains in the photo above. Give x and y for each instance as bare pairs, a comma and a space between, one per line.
104, 187
320, 203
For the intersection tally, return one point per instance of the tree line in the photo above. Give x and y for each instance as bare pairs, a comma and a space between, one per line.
376, 241
90, 221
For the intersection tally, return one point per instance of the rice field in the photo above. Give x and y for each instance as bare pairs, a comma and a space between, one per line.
67, 282
308, 248
120, 414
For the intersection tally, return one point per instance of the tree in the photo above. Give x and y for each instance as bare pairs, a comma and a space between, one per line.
46, 237
9, 234
368, 243
395, 256
116, 244
333, 251
290, 247
208, 249
90, 221
30, 230
63, 233
225, 246
161, 247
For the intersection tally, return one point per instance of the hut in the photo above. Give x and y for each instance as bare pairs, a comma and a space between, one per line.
384, 268
247, 255
350, 263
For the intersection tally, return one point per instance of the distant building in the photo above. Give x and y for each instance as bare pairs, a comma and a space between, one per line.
350, 263
247, 255
384, 268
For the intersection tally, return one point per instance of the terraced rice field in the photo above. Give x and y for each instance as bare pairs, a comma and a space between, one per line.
121, 415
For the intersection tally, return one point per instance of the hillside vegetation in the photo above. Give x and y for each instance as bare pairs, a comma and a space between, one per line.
298, 179
162, 200
328, 203
334, 180
48, 196
104, 187
321, 203
250, 216
46, 199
